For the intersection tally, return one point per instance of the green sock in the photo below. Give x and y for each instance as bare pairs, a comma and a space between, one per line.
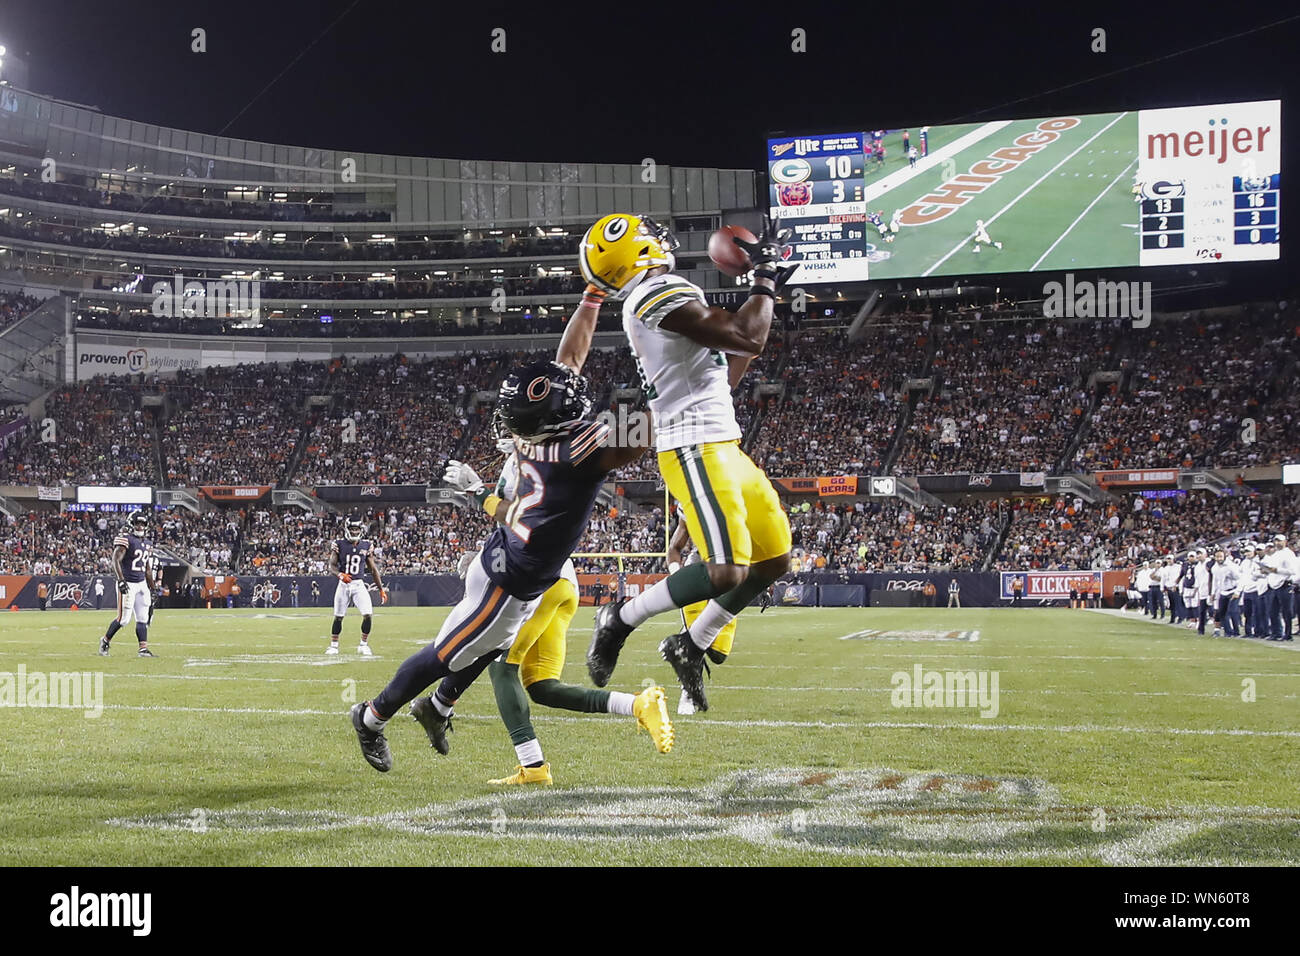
512, 702
738, 598
585, 700
690, 585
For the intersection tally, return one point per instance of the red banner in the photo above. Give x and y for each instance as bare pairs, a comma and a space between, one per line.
1159, 476
235, 492
837, 485
605, 586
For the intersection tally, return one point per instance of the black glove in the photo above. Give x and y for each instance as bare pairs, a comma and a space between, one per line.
770, 246
122, 587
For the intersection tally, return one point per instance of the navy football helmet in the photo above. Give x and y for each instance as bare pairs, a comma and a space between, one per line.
541, 399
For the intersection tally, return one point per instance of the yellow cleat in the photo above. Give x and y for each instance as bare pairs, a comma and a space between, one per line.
524, 774
651, 710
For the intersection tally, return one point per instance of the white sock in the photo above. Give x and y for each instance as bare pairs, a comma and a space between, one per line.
371, 719
685, 706
620, 703
440, 707
712, 619
647, 604
529, 752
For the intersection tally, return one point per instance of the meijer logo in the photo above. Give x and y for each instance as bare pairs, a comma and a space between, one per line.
1098, 300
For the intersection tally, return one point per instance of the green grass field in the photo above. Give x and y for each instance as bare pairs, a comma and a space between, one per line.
1115, 741
1068, 206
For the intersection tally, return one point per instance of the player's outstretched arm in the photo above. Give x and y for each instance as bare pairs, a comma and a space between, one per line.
576, 341
743, 332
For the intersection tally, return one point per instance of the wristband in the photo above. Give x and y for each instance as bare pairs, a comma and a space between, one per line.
759, 290
490, 503
592, 301
762, 273
674, 567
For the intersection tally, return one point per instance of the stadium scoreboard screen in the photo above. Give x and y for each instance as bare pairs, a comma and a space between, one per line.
1138, 188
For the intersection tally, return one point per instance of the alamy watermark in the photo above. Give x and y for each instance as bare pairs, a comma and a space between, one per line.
71, 690
1086, 299
210, 299
952, 689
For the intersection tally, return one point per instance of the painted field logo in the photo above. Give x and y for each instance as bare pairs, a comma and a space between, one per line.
950, 689
879, 813
74, 690
878, 635
1086, 299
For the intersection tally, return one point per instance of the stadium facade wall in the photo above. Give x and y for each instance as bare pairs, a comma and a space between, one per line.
418, 190
132, 353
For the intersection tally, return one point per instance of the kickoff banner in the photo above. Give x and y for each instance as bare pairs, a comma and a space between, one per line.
1050, 585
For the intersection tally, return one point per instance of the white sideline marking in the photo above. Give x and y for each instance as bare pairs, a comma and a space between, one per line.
1080, 216
765, 688
795, 724
962, 245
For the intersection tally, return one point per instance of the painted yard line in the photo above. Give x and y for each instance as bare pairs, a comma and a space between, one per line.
795, 724
935, 158
764, 688
1080, 217
962, 245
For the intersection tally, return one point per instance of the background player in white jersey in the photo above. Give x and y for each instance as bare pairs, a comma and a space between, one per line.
351, 557
135, 583
690, 357
982, 236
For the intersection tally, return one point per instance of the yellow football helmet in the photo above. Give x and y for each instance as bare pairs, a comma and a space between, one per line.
618, 250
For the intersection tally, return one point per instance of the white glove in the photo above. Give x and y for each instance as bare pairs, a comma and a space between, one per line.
462, 477
466, 559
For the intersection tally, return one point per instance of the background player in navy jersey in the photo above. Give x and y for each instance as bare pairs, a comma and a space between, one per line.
351, 558
564, 456
135, 583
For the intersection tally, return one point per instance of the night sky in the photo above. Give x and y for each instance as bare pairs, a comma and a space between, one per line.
686, 83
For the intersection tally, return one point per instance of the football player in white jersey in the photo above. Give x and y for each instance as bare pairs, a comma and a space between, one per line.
982, 236
690, 356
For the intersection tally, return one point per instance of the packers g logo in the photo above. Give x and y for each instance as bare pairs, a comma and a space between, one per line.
1163, 189
615, 229
791, 171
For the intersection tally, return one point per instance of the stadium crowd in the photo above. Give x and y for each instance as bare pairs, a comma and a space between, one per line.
15, 305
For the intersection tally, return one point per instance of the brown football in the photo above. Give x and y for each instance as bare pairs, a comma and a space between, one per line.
730, 259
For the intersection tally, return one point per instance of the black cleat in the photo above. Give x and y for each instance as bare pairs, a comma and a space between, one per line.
145, 652
607, 639
434, 724
688, 663
103, 647
374, 745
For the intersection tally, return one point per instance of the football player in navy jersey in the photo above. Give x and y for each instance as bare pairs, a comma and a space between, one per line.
351, 558
564, 457
135, 583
